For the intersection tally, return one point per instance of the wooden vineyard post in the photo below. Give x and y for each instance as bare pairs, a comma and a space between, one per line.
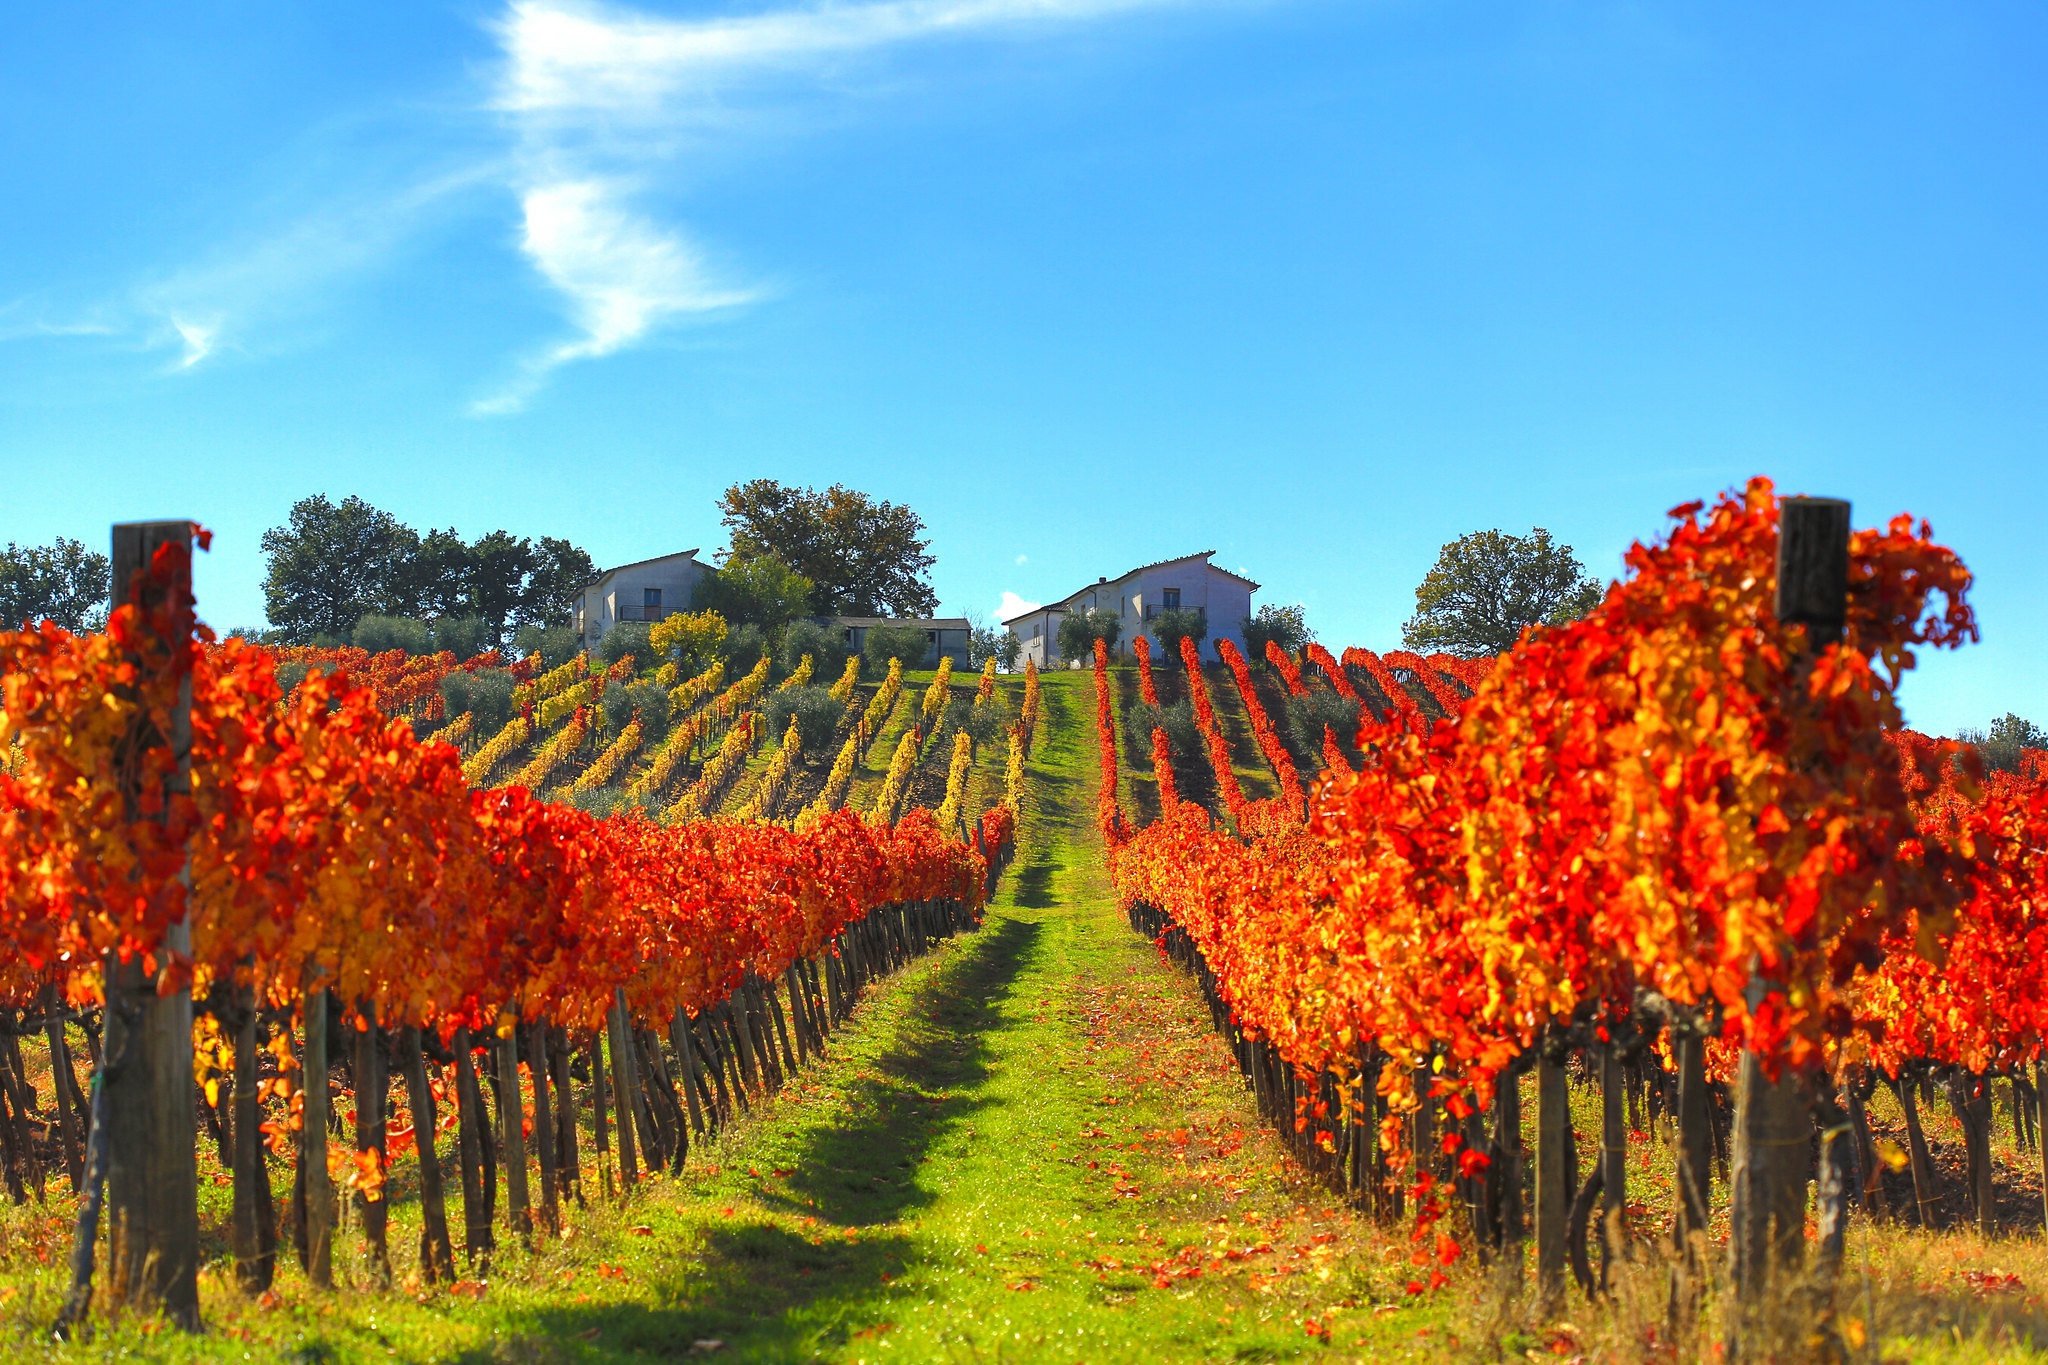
1926, 1198
1773, 1116
144, 1118
621, 1049
478, 1237
1553, 1185
255, 1221
65, 1084
1613, 1164
1507, 1139
2041, 1125
437, 1253
568, 1174
319, 1188
512, 1136
546, 1142
369, 1071
1694, 1166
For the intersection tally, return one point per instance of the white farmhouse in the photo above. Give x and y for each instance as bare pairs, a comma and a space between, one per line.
1189, 583
646, 591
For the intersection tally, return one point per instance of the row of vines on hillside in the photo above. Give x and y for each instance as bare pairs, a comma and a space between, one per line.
1683, 839
320, 861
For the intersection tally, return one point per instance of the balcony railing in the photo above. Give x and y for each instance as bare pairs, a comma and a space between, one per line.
644, 613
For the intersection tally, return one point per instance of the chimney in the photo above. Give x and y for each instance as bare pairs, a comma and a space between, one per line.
1101, 580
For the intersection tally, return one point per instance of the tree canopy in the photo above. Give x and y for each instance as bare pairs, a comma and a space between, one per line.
862, 557
1079, 630
1489, 586
1175, 624
61, 582
756, 590
333, 564
1285, 626
2009, 736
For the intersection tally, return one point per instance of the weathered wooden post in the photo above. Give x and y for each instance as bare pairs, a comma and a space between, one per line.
317, 1182
1553, 1182
152, 1171
1773, 1119
255, 1220
619, 1028
1613, 1163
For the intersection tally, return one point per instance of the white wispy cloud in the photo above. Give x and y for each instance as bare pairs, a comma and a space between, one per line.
197, 338
605, 102
1013, 605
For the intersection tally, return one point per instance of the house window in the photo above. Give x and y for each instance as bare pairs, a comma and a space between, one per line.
931, 637
1170, 598
1034, 631
650, 597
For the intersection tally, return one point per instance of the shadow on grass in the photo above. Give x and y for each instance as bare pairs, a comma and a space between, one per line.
771, 1293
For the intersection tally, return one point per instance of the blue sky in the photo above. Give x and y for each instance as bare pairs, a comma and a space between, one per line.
1088, 283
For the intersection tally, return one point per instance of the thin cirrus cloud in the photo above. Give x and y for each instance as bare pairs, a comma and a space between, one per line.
605, 103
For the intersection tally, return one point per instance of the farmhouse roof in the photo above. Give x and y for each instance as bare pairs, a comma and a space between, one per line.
923, 622
603, 574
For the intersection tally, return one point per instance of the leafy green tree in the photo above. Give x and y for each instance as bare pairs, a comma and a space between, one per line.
1487, 587
332, 565
1307, 716
500, 564
557, 573
627, 637
644, 699
885, 642
1172, 626
1079, 630
434, 579
335, 563
1283, 626
556, 645
463, 636
62, 582
863, 557
381, 633
759, 590
817, 716
1177, 718
993, 642
485, 694
745, 646
2000, 747
825, 644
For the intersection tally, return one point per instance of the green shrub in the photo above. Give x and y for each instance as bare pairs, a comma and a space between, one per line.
627, 637
464, 636
556, 645
1307, 716
1079, 630
745, 646
1176, 718
825, 644
884, 643
651, 701
1284, 626
380, 634
486, 694
1169, 628
817, 716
